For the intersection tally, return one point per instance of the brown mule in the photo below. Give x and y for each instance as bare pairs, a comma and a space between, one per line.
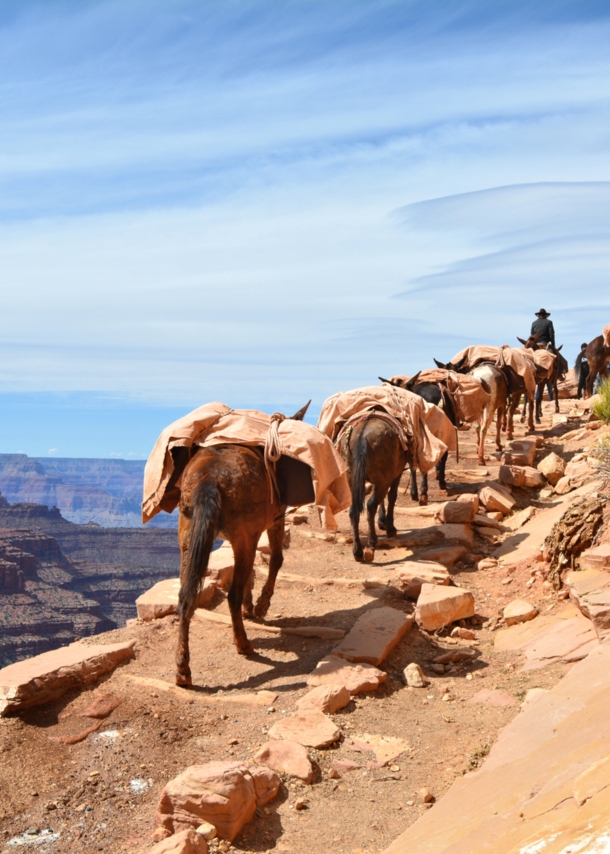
558, 373
598, 356
374, 453
226, 491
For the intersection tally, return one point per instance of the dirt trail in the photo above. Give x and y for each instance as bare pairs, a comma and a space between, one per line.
100, 794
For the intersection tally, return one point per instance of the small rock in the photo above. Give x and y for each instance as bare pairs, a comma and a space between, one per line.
438, 668
325, 698
426, 796
413, 676
207, 830
492, 498
519, 611
465, 634
552, 467
300, 804
345, 765
186, 842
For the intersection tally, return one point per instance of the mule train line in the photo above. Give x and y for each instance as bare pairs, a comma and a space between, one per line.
234, 473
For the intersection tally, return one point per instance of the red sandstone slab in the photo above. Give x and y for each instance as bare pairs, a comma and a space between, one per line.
48, 676
525, 543
544, 786
439, 606
374, 635
356, 677
162, 598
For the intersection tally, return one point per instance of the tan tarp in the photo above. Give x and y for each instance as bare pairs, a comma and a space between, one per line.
468, 395
606, 335
217, 424
516, 360
544, 361
428, 426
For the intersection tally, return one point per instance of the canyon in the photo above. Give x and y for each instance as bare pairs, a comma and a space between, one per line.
106, 491
60, 581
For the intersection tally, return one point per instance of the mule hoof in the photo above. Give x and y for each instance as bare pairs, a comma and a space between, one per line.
184, 680
392, 532
246, 649
260, 612
381, 525
423, 501
369, 554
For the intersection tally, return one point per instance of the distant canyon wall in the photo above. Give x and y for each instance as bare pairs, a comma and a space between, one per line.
106, 491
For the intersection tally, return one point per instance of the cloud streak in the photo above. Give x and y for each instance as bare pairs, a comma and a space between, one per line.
265, 202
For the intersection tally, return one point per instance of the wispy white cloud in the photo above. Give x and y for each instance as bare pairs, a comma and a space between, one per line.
204, 200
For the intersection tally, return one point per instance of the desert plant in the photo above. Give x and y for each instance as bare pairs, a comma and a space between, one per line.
601, 407
600, 457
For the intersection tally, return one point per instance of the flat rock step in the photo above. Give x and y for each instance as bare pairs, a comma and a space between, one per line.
374, 635
308, 727
439, 606
356, 677
258, 698
48, 676
324, 632
590, 591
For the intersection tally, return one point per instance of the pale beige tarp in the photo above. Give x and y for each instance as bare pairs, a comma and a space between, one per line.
606, 335
428, 426
517, 360
468, 395
544, 362
217, 424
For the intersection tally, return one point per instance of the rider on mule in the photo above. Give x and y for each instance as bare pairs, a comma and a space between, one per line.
543, 327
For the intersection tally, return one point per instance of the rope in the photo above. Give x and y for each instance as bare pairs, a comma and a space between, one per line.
273, 451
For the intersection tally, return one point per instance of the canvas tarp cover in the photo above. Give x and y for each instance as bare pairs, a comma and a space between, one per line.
517, 360
217, 424
544, 362
427, 425
468, 395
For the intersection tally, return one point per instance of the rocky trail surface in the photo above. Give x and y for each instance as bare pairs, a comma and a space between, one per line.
374, 689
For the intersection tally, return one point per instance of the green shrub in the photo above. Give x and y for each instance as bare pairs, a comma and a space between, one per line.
600, 457
602, 407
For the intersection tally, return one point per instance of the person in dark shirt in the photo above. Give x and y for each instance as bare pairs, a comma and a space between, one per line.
584, 371
544, 327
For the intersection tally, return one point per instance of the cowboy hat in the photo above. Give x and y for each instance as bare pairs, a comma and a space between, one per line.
543, 313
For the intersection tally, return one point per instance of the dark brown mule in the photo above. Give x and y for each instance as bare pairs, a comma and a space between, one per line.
226, 490
494, 382
598, 357
560, 369
432, 393
373, 453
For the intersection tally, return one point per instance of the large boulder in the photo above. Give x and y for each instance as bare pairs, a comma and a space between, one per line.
495, 499
461, 512
225, 794
440, 606
411, 574
552, 467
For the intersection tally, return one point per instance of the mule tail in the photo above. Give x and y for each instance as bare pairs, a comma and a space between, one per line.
578, 366
358, 478
205, 524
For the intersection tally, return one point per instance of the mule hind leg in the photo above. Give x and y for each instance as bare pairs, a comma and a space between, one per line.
244, 553
276, 544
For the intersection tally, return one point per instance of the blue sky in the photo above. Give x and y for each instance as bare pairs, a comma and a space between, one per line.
263, 202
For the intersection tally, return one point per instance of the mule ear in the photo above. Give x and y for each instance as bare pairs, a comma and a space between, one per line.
521, 340
383, 380
559, 348
439, 365
410, 384
298, 416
